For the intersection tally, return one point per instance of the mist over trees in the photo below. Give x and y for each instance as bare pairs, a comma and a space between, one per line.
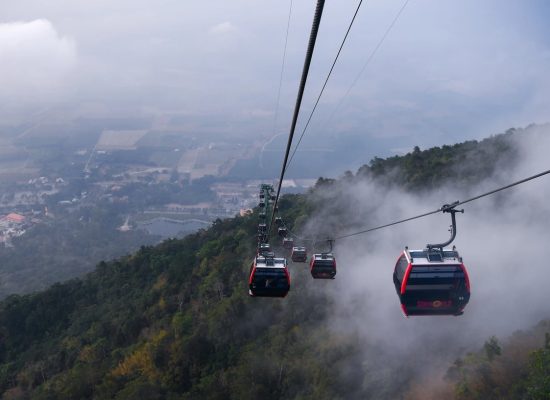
174, 321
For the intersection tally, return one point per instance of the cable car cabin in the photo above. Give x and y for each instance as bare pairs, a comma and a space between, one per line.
431, 282
273, 197
282, 231
262, 228
323, 266
261, 204
299, 254
269, 277
263, 248
262, 195
288, 243
278, 221
262, 216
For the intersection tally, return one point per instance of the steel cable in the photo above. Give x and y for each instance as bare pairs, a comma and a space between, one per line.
307, 63
325, 84
441, 209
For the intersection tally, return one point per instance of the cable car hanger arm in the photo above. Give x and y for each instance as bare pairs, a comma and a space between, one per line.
447, 208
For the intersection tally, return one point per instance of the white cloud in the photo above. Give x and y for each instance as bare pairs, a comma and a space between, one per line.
447, 71
222, 28
36, 61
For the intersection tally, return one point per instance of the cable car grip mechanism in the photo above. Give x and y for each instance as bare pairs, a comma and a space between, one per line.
448, 208
330, 242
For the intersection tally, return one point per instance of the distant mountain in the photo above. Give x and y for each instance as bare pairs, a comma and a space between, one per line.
174, 321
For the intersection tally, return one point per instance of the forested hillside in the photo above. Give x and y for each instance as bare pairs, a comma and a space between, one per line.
463, 163
174, 321
64, 248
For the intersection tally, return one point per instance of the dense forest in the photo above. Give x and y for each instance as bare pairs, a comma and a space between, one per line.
66, 247
174, 321
71, 241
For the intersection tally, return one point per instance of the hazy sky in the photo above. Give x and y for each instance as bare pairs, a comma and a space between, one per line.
449, 70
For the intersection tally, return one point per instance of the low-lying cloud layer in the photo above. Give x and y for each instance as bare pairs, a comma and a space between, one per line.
447, 71
503, 240
37, 63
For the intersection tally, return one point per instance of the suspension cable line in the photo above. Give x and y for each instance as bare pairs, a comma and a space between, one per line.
504, 187
286, 161
307, 63
388, 225
282, 71
325, 84
295, 235
441, 209
454, 204
369, 59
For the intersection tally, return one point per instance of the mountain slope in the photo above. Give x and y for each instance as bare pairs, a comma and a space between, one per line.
174, 321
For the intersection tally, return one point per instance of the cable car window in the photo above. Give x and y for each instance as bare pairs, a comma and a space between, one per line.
323, 265
270, 278
434, 275
401, 267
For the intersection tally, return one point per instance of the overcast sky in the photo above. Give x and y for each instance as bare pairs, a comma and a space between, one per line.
448, 71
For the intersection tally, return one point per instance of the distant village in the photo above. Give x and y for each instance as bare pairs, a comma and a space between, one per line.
13, 225
28, 204
113, 174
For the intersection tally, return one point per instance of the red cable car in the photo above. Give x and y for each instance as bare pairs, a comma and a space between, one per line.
323, 266
269, 277
288, 243
299, 254
432, 281
263, 248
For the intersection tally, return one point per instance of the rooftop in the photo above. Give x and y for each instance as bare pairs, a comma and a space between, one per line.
13, 217
424, 256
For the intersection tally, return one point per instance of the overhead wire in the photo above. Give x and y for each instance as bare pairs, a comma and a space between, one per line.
278, 102
282, 70
504, 187
369, 59
426, 214
326, 81
295, 235
307, 62
441, 209
286, 162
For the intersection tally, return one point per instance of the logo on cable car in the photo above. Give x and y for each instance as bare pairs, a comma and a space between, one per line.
434, 304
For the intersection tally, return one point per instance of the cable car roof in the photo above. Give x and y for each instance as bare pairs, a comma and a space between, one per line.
323, 256
270, 262
429, 257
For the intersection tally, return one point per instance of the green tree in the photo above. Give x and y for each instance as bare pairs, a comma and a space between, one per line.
492, 348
